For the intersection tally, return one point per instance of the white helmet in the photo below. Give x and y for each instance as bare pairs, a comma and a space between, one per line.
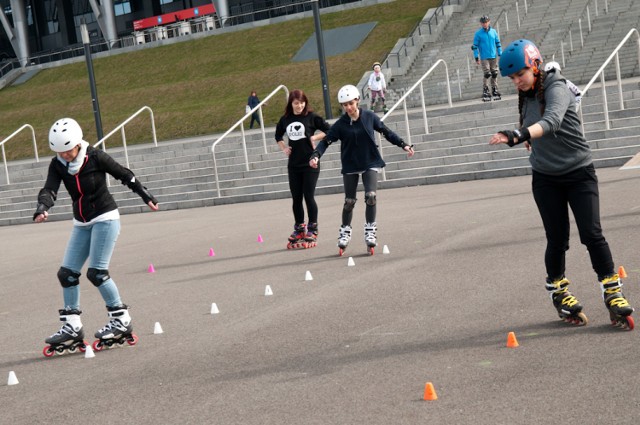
551, 66
65, 134
348, 93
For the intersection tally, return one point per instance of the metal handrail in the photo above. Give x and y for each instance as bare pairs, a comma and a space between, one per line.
4, 156
600, 73
403, 100
124, 138
240, 123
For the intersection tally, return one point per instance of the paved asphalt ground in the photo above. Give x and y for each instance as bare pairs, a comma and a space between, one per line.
355, 345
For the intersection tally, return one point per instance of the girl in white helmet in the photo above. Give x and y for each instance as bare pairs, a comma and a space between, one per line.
96, 225
359, 156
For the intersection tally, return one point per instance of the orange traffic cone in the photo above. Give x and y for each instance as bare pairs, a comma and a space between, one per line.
430, 392
622, 273
512, 342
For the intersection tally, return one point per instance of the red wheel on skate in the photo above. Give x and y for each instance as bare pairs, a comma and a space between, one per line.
340, 251
627, 323
48, 351
371, 250
133, 340
83, 347
97, 345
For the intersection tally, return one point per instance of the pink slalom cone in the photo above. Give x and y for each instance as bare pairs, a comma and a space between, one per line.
211, 253
151, 269
260, 238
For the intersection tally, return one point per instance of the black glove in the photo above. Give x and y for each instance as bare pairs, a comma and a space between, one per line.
522, 135
40, 210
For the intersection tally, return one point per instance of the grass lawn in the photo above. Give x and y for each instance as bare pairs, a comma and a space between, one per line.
201, 86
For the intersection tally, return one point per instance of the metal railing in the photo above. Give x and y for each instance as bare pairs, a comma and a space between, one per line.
124, 137
4, 156
403, 101
600, 73
240, 123
417, 32
7, 67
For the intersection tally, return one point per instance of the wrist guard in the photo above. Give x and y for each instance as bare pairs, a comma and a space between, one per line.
522, 135
40, 209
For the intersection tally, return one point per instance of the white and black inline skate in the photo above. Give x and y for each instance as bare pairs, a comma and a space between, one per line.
70, 337
568, 306
312, 235
370, 230
344, 238
298, 237
618, 306
496, 94
486, 94
118, 331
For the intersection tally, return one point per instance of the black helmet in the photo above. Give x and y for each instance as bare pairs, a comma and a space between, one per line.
484, 18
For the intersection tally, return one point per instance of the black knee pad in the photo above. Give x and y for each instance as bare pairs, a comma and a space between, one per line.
97, 276
68, 277
494, 74
370, 198
487, 75
349, 204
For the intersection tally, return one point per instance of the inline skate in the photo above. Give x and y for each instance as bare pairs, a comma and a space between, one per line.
117, 331
311, 237
344, 238
618, 306
370, 236
486, 94
69, 338
297, 238
496, 94
568, 306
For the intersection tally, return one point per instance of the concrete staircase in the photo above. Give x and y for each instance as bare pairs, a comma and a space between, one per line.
180, 173
545, 23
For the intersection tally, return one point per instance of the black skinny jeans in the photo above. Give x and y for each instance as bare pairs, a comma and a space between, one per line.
302, 183
578, 190
370, 182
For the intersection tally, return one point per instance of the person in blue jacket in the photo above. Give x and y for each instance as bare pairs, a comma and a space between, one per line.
486, 50
359, 155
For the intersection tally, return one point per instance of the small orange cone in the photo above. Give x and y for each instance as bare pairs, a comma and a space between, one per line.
430, 392
151, 269
512, 342
622, 273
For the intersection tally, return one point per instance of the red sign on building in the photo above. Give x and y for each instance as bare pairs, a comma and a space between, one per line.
168, 18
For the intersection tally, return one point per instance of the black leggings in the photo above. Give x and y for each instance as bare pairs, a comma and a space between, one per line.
578, 190
370, 182
302, 183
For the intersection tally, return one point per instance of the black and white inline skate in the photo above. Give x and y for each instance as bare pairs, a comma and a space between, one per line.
370, 230
118, 331
618, 306
344, 238
311, 237
496, 94
70, 337
486, 94
298, 237
568, 306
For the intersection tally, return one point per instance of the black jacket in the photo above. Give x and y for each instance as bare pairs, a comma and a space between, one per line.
88, 188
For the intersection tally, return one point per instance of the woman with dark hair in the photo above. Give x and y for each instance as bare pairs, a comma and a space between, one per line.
563, 176
303, 129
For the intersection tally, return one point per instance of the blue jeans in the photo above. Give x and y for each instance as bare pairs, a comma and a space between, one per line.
96, 243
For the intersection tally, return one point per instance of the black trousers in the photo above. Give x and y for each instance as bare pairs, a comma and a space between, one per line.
302, 183
554, 195
370, 182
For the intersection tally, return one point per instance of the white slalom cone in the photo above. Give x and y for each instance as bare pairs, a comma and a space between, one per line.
13, 379
157, 329
214, 308
88, 353
385, 250
268, 291
308, 276
351, 263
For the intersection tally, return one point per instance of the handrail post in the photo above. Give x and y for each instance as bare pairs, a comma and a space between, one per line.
264, 136
244, 147
6, 168
604, 102
619, 78
124, 144
35, 147
406, 121
424, 109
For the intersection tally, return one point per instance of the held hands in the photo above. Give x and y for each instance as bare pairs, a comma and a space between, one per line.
409, 150
313, 163
154, 207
